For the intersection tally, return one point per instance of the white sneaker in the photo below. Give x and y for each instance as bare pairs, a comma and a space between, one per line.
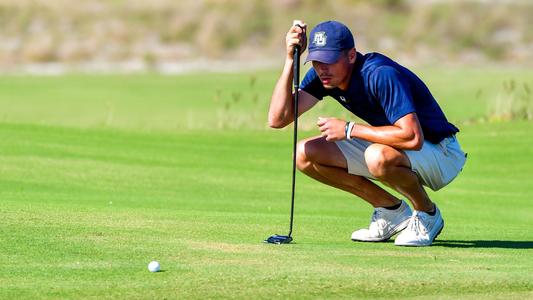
422, 229
384, 224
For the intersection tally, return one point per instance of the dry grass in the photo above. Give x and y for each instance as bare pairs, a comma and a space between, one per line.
160, 31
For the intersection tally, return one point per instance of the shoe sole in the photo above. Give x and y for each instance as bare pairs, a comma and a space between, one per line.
396, 230
419, 245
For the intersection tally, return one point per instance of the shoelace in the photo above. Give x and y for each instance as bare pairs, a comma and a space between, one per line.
376, 219
418, 225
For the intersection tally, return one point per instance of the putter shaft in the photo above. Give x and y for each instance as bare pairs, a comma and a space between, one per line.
296, 84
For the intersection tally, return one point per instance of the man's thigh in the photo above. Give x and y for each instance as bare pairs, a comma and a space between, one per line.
437, 164
353, 152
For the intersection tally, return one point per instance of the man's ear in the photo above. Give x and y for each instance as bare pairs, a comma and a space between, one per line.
352, 55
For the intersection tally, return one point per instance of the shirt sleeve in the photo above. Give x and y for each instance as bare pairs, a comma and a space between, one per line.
312, 85
391, 90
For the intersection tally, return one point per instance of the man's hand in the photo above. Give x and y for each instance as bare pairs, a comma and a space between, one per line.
332, 129
296, 36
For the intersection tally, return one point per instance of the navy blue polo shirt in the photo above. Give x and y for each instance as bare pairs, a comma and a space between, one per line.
381, 91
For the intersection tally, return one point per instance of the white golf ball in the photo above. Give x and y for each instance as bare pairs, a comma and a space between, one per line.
154, 266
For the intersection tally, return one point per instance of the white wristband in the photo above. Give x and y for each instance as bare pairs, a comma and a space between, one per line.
349, 132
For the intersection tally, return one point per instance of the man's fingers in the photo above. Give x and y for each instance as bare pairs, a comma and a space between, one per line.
296, 36
321, 121
293, 29
296, 30
328, 136
294, 39
293, 36
300, 24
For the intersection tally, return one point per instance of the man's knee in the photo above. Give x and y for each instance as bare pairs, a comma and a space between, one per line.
380, 159
303, 159
318, 151
308, 151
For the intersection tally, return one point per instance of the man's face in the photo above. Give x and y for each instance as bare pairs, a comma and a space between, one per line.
336, 74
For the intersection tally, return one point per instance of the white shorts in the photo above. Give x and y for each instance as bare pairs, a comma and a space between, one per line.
435, 164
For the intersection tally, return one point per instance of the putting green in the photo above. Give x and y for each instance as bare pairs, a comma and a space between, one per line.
84, 212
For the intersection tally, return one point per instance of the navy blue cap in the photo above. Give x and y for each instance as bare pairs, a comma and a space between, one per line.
328, 40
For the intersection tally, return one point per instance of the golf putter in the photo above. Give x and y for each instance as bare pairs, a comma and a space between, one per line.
285, 239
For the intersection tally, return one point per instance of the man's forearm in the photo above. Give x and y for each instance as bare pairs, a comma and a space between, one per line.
281, 107
390, 135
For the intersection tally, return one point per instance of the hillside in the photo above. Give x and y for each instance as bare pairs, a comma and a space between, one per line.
141, 35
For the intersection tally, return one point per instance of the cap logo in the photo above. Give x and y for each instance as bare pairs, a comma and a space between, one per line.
320, 39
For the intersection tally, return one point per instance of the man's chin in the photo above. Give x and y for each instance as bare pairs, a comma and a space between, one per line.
328, 86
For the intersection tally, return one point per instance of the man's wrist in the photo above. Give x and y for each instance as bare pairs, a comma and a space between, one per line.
348, 130
346, 126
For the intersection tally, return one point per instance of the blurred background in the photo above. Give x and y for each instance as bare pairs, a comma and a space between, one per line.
168, 36
203, 64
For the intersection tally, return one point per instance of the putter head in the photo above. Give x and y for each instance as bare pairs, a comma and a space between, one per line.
278, 239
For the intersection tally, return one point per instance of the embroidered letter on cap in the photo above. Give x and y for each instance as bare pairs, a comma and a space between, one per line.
320, 39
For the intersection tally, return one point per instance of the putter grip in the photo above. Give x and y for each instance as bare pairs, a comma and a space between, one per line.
296, 58
296, 72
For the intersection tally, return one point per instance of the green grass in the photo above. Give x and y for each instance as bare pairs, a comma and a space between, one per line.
212, 101
86, 205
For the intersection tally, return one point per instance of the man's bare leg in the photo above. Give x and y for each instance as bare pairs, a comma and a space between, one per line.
323, 161
393, 168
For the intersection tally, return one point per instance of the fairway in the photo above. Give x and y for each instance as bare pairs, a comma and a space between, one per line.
101, 175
